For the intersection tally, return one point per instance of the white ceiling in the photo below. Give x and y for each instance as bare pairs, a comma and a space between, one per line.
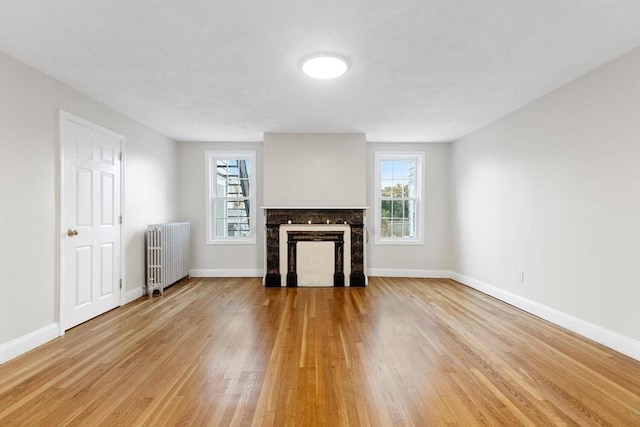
229, 70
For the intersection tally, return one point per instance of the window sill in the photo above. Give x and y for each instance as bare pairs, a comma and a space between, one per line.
399, 242
232, 242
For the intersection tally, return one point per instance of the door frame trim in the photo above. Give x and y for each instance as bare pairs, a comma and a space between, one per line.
62, 117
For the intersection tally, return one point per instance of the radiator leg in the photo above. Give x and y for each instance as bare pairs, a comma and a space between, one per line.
153, 285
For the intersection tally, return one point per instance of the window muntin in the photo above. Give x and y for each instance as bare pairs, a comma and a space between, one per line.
231, 200
398, 198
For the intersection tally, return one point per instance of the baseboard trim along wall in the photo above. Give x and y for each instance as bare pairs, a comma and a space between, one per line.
28, 342
399, 272
603, 336
221, 272
133, 294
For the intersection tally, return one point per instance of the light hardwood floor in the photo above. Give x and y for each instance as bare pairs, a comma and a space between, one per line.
401, 352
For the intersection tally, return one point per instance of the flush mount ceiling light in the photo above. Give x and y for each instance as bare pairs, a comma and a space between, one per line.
325, 66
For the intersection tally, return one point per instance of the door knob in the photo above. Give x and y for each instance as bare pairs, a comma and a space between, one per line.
72, 233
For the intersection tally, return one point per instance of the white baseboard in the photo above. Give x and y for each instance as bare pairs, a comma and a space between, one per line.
28, 342
399, 272
132, 295
224, 272
603, 336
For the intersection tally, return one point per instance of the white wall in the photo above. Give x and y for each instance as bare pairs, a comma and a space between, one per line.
314, 170
433, 258
216, 260
29, 170
553, 190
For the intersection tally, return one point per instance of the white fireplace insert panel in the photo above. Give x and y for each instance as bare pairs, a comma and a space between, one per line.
315, 260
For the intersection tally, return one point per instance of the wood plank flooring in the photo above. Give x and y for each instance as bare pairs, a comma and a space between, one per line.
400, 352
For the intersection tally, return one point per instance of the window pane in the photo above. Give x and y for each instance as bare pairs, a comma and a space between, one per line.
405, 189
385, 191
397, 188
221, 227
398, 209
411, 169
394, 229
241, 205
385, 230
385, 170
410, 230
411, 189
406, 232
244, 187
219, 208
239, 227
385, 209
400, 169
411, 209
245, 168
232, 229
221, 187
397, 229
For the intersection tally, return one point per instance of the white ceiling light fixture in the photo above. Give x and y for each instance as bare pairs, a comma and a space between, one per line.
325, 66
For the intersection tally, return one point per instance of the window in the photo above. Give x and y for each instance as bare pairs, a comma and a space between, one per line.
231, 199
398, 196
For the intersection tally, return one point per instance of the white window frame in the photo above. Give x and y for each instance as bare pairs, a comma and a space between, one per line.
419, 208
211, 158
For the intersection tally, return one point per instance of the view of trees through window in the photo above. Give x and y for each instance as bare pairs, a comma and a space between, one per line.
398, 198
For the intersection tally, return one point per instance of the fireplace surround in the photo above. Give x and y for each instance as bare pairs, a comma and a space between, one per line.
275, 217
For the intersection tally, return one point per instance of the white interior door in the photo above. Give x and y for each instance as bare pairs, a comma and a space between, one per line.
90, 220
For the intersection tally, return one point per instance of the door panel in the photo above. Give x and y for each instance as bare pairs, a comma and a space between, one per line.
90, 269
83, 276
83, 190
107, 202
106, 269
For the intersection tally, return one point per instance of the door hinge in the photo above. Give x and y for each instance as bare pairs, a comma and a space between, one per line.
120, 219
120, 283
120, 156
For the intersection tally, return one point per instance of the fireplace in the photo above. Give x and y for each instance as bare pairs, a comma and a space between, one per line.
318, 227
333, 238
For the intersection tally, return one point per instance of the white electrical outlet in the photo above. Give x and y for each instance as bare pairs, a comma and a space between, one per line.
520, 276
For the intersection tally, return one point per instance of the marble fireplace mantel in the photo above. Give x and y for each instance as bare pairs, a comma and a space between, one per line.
277, 216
